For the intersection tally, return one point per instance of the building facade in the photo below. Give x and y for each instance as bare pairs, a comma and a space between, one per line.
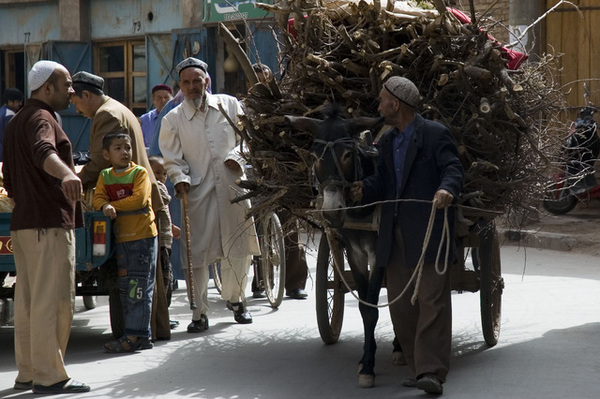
133, 45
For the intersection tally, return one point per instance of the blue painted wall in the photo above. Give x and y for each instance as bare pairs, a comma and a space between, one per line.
39, 23
29, 23
115, 18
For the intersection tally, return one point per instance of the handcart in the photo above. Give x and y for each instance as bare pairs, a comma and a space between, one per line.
480, 240
93, 248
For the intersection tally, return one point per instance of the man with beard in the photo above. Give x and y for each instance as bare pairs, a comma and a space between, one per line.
202, 158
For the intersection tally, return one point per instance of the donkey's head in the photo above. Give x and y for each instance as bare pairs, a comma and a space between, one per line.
337, 161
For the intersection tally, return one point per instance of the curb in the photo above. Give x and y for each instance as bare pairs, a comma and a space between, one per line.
537, 239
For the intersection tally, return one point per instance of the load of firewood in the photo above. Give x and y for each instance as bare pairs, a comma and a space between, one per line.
342, 51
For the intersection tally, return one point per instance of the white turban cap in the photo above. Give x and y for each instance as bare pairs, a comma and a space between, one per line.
40, 72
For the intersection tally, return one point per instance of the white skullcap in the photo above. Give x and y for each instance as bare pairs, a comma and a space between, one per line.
404, 90
40, 72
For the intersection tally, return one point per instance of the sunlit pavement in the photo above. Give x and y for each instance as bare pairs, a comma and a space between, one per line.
547, 347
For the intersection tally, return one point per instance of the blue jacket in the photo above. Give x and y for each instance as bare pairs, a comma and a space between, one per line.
148, 122
431, 164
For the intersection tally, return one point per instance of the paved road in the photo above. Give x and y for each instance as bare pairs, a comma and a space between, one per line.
548, 346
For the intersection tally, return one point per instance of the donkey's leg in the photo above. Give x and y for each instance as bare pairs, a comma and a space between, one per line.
397, 355
370, 316
360, 274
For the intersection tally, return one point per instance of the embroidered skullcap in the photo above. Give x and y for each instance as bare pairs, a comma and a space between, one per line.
191, 62
404, 90
40, 72
88, 79
162, 87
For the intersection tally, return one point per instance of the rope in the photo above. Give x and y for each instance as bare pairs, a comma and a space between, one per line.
419, 268
370, 204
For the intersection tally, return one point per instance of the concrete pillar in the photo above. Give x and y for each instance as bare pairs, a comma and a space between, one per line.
521, 15
191, 13
74, 20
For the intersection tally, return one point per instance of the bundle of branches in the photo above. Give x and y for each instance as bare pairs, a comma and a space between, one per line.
342, 51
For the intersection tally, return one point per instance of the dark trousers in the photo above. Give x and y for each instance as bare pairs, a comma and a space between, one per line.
296, 269
160, 321
424, 329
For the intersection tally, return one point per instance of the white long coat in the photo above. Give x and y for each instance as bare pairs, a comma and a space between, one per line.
195, 146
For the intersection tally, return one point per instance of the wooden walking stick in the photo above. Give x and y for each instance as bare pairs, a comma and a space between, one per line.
188, 245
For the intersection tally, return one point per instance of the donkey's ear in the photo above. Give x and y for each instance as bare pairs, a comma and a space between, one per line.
360, 124
303, 123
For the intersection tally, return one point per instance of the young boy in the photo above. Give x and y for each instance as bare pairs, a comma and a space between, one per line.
166, 230
123, 194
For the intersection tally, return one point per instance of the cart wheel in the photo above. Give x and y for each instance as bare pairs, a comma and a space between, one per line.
491, 284
215, 269
89, 302
272, 258
329, 295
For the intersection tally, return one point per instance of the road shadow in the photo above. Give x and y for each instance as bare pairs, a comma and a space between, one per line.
563, 363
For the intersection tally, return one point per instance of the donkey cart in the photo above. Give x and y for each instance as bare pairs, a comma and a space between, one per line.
479, 238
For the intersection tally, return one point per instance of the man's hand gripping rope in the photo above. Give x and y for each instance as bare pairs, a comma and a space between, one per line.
442, 199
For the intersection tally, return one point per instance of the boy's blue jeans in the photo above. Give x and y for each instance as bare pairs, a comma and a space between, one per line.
136, 262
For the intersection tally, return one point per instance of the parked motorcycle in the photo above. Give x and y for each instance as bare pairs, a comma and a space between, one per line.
576, 182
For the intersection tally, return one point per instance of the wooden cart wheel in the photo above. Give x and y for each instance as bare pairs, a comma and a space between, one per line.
329, 294
491, 284
272, 258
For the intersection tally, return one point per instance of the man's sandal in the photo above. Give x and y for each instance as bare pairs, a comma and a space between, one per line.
122, 345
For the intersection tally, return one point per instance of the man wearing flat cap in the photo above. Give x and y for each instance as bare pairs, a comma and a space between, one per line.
418, 163
161, 94
108, 116
203, 160
39, 176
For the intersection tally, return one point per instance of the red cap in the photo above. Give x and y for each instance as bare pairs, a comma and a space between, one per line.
162, 87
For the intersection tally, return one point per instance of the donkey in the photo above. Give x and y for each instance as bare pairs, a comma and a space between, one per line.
339, 161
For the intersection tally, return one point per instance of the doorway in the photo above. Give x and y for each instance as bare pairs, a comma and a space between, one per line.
13, 70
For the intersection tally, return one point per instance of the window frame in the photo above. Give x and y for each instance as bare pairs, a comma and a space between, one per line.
129, 74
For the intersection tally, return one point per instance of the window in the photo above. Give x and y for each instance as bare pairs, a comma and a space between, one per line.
13, 70
123, 67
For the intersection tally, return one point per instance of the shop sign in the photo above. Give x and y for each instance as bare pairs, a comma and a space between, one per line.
231, 10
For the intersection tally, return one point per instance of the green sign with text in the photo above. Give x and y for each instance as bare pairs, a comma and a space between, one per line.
231, 10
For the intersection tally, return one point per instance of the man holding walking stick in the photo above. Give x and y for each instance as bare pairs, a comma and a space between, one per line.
203, 160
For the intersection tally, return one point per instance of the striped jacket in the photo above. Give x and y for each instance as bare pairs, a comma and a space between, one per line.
129, 192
